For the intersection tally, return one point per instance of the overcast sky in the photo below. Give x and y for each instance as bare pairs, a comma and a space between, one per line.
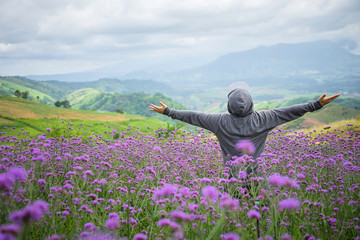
47, 37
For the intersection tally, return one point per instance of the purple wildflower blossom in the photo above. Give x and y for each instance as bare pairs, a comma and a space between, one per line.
245, 146
180, 216
18, 173
140, 236
112, 223
228, 203
210, 193
286, 236
230, 236
12, 229
6, 181
163, 222
253, 214
31, 213
41, 137
90, 226
166, 190
289, 204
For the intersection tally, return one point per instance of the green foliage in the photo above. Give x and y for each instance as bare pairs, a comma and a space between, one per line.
119, 111
8, 86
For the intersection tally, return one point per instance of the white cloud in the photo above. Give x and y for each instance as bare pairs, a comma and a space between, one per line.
120, 30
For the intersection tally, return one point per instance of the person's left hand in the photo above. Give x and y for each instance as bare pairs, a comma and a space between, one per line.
157, 108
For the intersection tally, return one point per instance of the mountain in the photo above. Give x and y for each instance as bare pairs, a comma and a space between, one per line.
281, 64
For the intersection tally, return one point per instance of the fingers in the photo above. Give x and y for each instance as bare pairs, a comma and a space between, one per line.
163, 105
157, 108
334, 97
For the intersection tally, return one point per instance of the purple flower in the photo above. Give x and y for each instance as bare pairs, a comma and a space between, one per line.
140, 236
6, 236
36, 151
48, 130
90, 226
41, 181
242, 175
31, 213
56, 237
88, 172
41, 137
230, 236
113, 216
276, 180
347, 164
180, 216
18, 173
300, 176
112, 223
254, 214
163, 222
11, 229
157, 149
285, 236
290, 204
210, 193
6, 181
166, 190
228, 203
245, 146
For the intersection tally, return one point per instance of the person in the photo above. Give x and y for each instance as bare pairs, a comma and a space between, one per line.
242, 122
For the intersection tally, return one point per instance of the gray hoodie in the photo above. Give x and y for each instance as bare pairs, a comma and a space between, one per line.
242, 122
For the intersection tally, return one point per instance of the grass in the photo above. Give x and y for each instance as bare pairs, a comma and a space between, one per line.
10, 87
35, 118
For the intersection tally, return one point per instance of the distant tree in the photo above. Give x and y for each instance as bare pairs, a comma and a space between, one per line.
25, 95
57, 104
37, 98
119, 111
17, 93
66, 104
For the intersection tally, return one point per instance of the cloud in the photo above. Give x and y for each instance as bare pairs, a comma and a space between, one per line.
116, 30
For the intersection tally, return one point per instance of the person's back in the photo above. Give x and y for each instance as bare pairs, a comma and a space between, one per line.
242, 122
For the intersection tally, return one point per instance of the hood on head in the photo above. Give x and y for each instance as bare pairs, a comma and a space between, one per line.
240, 102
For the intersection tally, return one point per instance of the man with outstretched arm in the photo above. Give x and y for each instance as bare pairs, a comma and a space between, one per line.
242, 122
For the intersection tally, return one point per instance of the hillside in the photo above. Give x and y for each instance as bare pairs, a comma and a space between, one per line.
132, 96
9, 87
12, 107
58, 89
35, 118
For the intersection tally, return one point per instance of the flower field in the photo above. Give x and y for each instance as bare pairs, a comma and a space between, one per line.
174, 186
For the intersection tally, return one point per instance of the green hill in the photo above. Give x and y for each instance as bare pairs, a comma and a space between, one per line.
35, 117
8, 88
131, 96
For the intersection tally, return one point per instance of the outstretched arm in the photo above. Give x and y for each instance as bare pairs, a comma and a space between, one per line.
275, 117
203, 120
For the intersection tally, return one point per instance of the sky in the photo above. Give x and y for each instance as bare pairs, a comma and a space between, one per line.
52, 37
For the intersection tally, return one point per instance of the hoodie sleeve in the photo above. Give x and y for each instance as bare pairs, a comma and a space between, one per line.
272, 118
203, 120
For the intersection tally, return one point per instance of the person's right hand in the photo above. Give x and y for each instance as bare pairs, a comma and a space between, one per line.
325, 100
157, 108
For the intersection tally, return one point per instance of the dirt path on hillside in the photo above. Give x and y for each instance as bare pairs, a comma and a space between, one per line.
312, 122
